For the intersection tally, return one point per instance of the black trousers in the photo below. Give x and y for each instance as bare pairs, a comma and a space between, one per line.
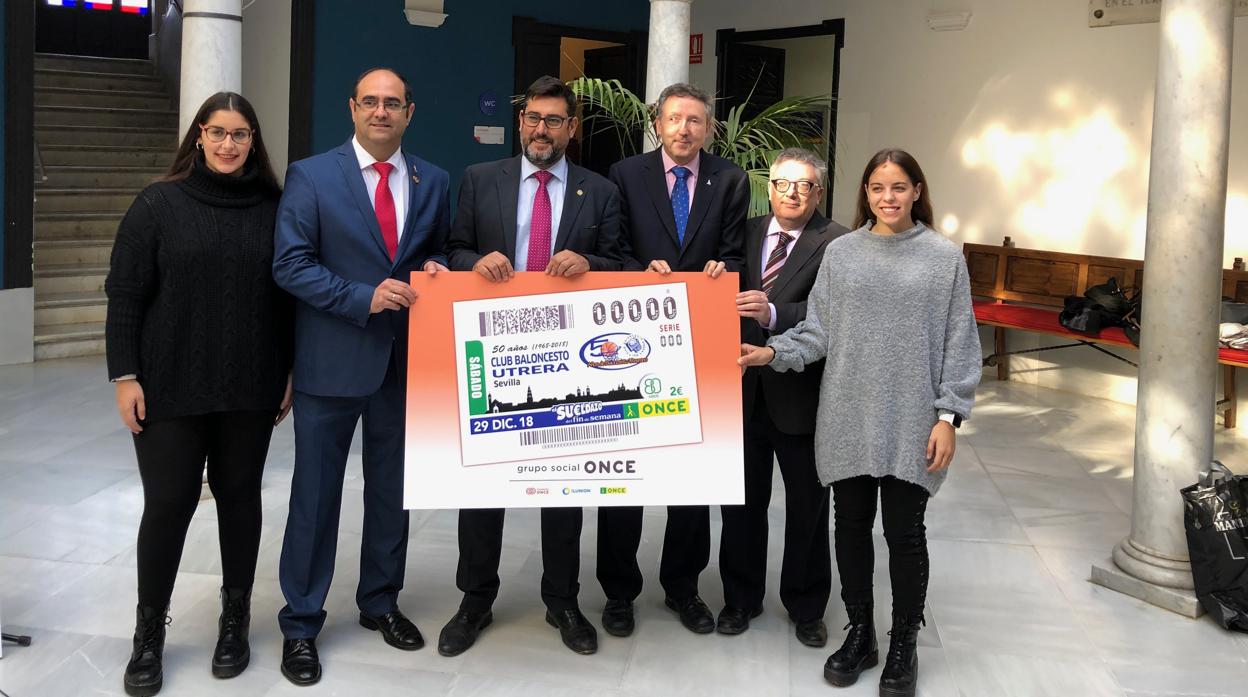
904, 505
686, 550
481, 546
806, 569
171, 455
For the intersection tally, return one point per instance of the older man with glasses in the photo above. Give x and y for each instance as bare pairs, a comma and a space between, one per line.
782, 256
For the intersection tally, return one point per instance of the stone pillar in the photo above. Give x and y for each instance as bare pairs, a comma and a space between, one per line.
1183, 261
667, 56
212, 54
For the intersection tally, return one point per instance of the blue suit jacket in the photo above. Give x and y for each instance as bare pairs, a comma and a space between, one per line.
329, 254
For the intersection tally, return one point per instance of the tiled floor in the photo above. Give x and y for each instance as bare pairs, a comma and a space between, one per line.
1040, 490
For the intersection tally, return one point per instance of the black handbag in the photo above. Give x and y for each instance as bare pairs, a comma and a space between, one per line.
1215, 516
1102, 305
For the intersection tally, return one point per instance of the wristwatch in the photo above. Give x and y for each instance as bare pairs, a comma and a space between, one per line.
950, 418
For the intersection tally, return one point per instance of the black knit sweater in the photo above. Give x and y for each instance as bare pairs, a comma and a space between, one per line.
193, 311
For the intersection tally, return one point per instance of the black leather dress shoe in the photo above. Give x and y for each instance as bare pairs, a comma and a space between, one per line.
812, 633
397, 630
301, 664
694, 614
461, 632
617, 618
735, 620
576, 631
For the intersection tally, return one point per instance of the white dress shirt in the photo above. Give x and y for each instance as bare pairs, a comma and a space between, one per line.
397, 181
769, 245
524, 205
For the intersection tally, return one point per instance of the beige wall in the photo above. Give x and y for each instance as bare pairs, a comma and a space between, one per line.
266, 73
1028, 123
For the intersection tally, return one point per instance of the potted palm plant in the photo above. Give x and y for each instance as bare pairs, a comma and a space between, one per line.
751, 143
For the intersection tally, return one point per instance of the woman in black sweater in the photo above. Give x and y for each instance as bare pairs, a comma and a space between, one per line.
199, 345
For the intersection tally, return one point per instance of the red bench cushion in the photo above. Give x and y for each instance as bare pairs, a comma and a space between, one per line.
1044, 320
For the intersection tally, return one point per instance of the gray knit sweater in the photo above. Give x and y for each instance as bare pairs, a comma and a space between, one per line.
892, 315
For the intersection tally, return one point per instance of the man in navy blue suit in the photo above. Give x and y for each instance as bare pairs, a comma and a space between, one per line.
352, 226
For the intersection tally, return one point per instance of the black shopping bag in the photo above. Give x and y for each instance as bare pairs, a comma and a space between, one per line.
1215, 514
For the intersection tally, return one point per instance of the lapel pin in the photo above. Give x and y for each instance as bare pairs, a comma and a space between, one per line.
708, 182
579, 192
415, 178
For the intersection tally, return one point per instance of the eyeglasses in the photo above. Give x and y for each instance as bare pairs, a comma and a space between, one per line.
803, 186
216, 134
391, 105
554, 123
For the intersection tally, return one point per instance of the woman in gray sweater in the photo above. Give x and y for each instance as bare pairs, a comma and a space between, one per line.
891, 313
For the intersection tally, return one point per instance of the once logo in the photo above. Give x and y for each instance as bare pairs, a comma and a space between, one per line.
615, 351
613, 490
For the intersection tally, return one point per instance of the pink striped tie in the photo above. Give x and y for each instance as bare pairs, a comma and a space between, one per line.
539, 226
775, 261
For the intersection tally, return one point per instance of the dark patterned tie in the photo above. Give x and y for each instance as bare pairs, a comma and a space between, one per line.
775, 261
539, 225
680, 201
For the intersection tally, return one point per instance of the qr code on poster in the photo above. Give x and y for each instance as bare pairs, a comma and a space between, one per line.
524, 320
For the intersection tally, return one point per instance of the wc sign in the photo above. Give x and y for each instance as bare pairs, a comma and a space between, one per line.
695, 48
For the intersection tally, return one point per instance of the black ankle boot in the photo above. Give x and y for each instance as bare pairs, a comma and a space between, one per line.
901, 668
859, 651
145, 672
233, 652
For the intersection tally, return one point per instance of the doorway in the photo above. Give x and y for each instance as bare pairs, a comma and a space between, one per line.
568, 53
105, 29
759, 68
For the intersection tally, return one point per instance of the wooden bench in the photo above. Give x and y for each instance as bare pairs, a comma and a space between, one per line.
1025, 289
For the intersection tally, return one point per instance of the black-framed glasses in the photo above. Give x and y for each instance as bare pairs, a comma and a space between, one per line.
553, 122
803, 186
390, 104
216, 134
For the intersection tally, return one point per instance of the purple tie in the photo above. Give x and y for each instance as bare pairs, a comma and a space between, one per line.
539, 226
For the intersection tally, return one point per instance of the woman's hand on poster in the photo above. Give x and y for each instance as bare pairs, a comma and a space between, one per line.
940, 446
288, 399
131, 405
755, 355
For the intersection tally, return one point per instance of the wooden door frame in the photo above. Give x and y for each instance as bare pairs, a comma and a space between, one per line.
828, 27
524, 27
19, 143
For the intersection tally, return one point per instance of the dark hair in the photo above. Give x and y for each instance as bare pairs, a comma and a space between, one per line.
922, 210
186, 155
407, 87
547, 86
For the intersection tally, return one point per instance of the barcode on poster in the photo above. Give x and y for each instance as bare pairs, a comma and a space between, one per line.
576, 434
524, 320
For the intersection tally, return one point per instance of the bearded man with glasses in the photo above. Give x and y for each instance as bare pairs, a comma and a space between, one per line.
534, 212
782, 255
352, 226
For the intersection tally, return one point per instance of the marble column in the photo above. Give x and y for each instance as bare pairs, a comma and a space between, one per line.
212, 54
1183, 261
667, 55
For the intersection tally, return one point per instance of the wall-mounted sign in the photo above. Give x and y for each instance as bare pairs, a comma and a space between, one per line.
1107, 13
695, 48
488, 103
488, 135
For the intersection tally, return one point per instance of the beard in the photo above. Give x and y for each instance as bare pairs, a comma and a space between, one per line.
540, 159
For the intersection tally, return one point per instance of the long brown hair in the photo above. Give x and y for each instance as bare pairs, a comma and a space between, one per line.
187, 153
922, 210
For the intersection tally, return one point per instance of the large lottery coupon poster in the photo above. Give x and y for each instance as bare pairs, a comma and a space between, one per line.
608, 389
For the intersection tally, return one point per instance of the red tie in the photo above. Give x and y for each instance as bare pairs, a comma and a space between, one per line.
539, 226
384, 206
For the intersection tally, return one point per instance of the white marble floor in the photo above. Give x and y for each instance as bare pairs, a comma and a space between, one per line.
1040, 490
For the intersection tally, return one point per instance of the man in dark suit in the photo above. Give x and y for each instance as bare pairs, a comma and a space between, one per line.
684, 210
783, 252
535, 212
352, 226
